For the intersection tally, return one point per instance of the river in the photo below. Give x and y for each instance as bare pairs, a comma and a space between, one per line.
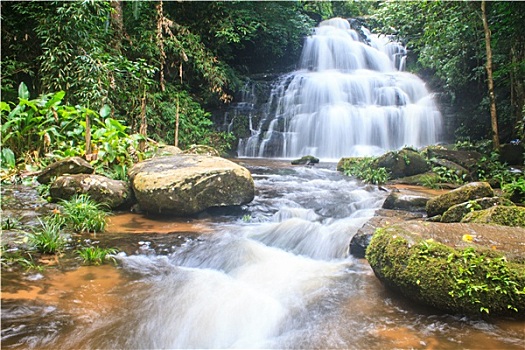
275, 273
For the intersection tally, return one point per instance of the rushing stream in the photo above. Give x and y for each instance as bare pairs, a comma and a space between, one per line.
273, 274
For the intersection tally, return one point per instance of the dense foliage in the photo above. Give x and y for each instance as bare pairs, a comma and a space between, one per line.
160, 67
151, 65
448, 47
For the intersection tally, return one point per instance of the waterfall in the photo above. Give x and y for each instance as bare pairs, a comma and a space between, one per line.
349, 97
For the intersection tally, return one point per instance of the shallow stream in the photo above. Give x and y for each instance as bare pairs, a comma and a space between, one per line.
273, 274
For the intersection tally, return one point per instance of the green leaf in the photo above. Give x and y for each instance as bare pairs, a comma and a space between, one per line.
105, 111
23, 92
4, 107
8, 158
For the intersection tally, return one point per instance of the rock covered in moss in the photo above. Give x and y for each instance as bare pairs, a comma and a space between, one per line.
456, 212
305, 160
500, 215
451, 268
71, 165
188, 184
113, 193
438, 205
406, 162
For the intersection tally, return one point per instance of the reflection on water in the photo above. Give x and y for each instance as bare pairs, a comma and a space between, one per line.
275, 275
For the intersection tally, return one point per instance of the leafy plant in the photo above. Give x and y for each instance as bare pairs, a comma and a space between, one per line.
48, 239
11, 257
10, 223
476, 274
364, 169
515, 190
96, 255
490, 169
82, 214
449, 175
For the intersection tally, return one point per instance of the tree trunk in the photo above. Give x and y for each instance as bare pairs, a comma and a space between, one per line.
88, 138
490, 80
177, 125
143, 130
117, 23
160, 43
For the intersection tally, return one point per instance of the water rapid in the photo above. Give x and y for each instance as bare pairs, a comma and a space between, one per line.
349, 97
273, 274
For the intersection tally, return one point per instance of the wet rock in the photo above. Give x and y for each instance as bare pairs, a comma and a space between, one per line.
403, 163
456, 212
438, 205
466, 159
459, 268
113, 193
188, 184
72, 165
382, 218
399, 201
305, 160
500, 215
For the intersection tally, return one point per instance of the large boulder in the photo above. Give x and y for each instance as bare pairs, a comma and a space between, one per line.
500, 215
466, 159
456, 212
403, 163
71, 165
459, 268
188, 184
438, 205
113, 193
400, 201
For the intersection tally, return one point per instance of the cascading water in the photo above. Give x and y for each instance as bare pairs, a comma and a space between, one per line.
276, 274
350, 97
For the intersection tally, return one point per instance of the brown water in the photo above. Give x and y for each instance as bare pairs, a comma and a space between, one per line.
273, 274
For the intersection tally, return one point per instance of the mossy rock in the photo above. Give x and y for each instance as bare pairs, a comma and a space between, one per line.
460, 277
474, 190
305, 160
501, 215
420, 179
458, 211
403, 163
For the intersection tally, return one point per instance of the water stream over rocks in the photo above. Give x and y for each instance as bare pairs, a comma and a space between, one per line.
273, 274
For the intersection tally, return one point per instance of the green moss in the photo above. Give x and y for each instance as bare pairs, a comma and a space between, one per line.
499, 215
468, 281
438, 205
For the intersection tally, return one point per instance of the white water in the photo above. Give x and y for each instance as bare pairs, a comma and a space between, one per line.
349, 98
252, 284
